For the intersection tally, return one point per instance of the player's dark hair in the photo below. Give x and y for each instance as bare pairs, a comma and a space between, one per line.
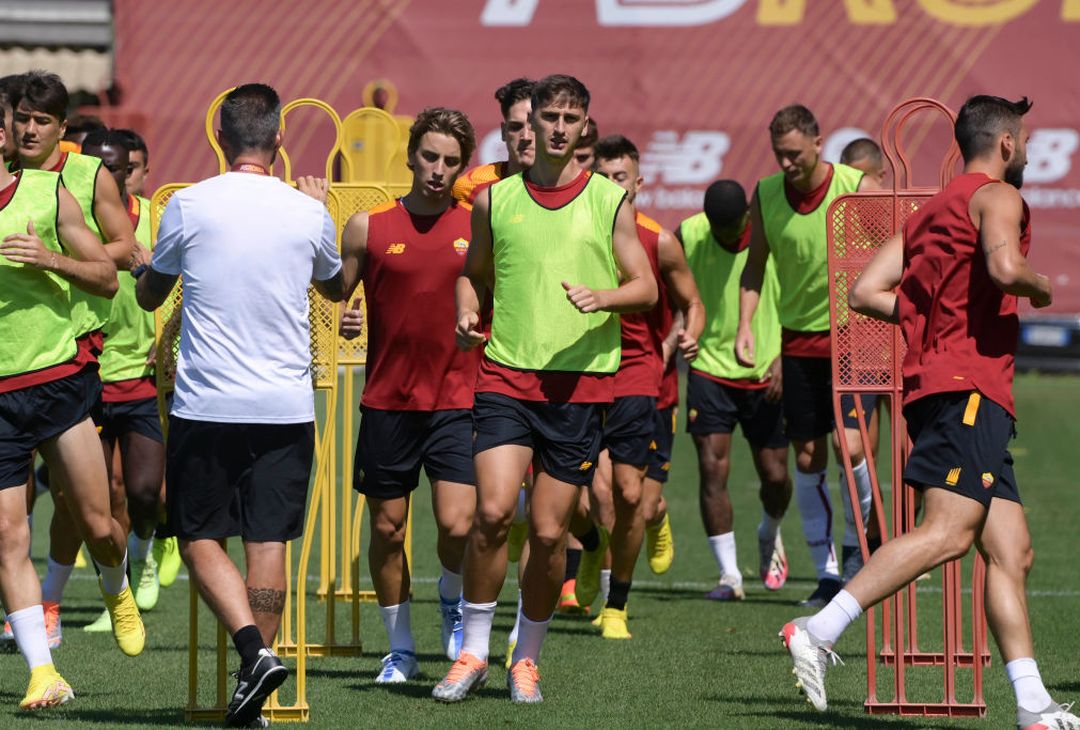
44, 92
83, 123
590, 137
103, 137
794, 116
512, 92
725, 203
614, 147
983, 118
251, 118
445, 121
11, 89
134, 142
862, 148
552, 87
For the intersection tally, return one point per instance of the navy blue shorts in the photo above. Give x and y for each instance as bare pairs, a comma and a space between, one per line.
629, 425
113, 420
663, 439
715, 407
807, 399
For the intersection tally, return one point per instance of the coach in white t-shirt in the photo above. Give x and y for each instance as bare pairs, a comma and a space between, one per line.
241, 429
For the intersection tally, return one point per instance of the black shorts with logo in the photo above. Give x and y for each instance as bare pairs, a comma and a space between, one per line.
717, 408
565, 437
663, 439
393, 445
960, 443
33, 415
113, 420
229, 479
807, 399
629, 424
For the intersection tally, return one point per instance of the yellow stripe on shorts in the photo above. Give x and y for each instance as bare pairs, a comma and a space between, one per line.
972, 409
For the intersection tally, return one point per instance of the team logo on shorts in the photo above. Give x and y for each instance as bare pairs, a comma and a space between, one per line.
585, 466
395, 248
692, 415
953, 477
461, 246
987, 480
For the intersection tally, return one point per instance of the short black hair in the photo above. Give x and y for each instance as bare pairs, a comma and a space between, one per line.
983, 118
251, 117
104, 137
134, 142
11, 89
862, 148
614, 147
80, 123
725, 203
552, 87
794, 116
44, 92
512, 92
591, 135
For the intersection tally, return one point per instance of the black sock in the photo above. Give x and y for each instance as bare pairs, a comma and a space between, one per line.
618, 594
249, 643
590, 540
573, 560
873, 543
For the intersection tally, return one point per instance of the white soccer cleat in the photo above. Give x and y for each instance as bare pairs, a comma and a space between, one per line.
453, 629
397, 667
1054, 717
811, 657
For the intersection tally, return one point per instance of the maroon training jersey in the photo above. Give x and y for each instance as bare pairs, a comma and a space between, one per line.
663, 322
642, 345
960, 329
410, 271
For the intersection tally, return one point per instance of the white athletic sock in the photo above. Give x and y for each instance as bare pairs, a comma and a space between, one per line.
828, 623
398, 622
1027, 683
449, 586
723, 548
477, 619
862, 484
530, 639
812, 494
28, 626
56, 577
605, 583
138, 548
513, 637
769, 527
113, 579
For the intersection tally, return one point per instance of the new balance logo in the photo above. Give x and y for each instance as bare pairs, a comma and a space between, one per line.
395, 248
953, 477
518, 218
696, 158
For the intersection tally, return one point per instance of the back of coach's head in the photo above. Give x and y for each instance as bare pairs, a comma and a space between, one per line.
250, 121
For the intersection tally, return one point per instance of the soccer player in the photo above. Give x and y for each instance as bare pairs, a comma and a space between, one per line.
585, 152
409, 254
721, 393
9, 91
787, 222
864, 154
952, 280
515, 103
546, 371
138, 161
76, 129
47, 387
241, 434
630, 422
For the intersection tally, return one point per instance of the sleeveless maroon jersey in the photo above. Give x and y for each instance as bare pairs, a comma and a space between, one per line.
410, 271
642, 353
960, 329
662, 323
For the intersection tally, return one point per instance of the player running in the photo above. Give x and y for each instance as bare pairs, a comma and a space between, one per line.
515, 103
787, 222
552, 243
721, 393
409, 254
952, 280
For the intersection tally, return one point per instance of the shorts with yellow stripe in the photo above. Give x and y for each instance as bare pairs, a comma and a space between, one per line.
960, 443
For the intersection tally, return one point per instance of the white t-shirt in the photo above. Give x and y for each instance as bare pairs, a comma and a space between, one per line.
246, 246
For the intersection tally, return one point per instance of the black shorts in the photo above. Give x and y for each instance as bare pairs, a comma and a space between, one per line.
228, 479
113, 420
629, 424
960, 442
716, 408
393, 445
807, 399
30, 416
565, 437
664, 440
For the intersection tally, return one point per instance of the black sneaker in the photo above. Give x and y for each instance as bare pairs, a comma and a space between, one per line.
253, 685
826, 589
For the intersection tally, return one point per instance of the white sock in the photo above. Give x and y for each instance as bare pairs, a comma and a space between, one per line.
828, 623
449, 586
28, 626
398, 622
605, 583
769, 527
723, 548
812, 494
477, 619
513, 637
56, 577
530, 639
862, 484
113, 579
1027, 683
138, 548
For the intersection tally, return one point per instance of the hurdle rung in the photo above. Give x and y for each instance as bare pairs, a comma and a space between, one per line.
346, 595
286, 714
322, 650
932, 659
926, 709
